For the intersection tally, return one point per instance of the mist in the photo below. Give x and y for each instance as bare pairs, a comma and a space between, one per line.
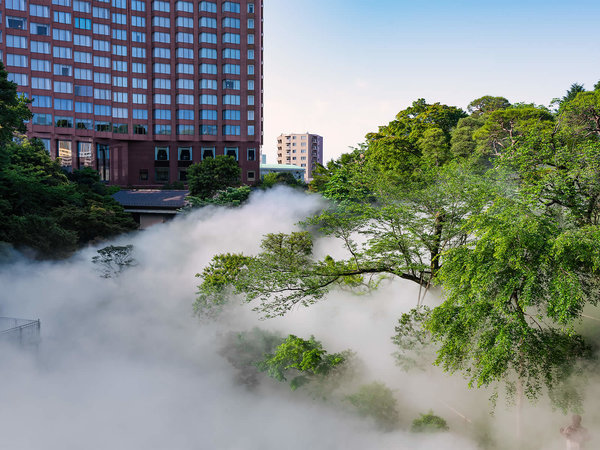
125, 364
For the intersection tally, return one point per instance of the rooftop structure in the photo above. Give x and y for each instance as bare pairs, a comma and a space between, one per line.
139, 89
150, 207
297, 171
305, 150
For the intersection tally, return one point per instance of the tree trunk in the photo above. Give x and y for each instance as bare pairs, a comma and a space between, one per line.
438, 228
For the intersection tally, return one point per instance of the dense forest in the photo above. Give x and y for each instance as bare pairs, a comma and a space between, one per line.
496, 208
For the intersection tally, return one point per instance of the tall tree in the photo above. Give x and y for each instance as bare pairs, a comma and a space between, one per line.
212, 175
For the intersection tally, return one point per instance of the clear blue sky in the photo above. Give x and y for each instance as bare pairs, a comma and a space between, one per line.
340, 68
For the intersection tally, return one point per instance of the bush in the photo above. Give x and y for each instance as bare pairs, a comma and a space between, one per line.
377, 401
429, 423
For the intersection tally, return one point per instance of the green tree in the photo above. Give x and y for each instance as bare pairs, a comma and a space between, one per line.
212, 175
429, 423
377, 401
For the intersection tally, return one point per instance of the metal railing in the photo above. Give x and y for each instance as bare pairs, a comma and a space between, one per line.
20, 331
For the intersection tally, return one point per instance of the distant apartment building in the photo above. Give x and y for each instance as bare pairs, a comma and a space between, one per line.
139, 89
304, 150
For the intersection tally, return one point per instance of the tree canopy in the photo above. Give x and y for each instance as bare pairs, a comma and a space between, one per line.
205, 179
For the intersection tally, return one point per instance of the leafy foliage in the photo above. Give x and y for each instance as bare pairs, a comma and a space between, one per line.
377, 401
301, 360
112, 260
429, 423
205, 179
271, 179
230, 196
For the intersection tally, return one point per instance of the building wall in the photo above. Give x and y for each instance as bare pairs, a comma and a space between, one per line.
291, 150
114, 81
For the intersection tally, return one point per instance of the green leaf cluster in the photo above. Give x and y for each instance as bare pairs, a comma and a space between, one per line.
429, 423
377, 401
211, 175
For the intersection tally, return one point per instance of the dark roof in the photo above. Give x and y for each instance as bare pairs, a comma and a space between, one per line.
151, 199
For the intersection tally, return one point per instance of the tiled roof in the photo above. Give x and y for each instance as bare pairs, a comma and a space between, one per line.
151, 198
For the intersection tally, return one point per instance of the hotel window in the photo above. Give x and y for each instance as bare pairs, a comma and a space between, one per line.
161, 68
160, 21
250, 100
250, 24
42, 101
140, 114
102, 46
250, 69
208, 22
162, 99
119, 50
185, 68
100, 28
208, 38
160, 6
185, 114
84, 150
250, 85
104, 126
63, 69
39, 29
162, 129
40, 47
206, 99
63, 87
137, 5
40, 83
208, 114
182, 174
231, 114
143, 174
16, 41
162, 83
161, 114
138, 68
137, 21
231, 151
161, 174
83, 107
250, 114
231, 53
16, 60
83, 24
231, 38
64, 152
184, 6
80, 6
139, 83
250, 8
16, 23
119, 18
101, 61
100, 77
58, 34
184, 99
63, 122
119, 66
208, 130
184, 83
83, 91
119, 113
251, 154
209, 53
207, 152
231, 99
120, 97
185, 129
18, 5
250, 54
184, 38
186, 53
119, 4
210, 69
39, 10
82, 57
42, 119
102, 110
119, 34
137, 36
119, 81
19, 78
185, 22
100, 13
251, 175
165, 38
161, 52
250, 39
138, 52
232, 69
231, 130
103, 154
250, 130
231, 7
62, 17
208, 84
210, 7
82, 40
230, 22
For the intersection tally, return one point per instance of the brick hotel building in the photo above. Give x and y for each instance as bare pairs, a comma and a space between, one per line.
139, 89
